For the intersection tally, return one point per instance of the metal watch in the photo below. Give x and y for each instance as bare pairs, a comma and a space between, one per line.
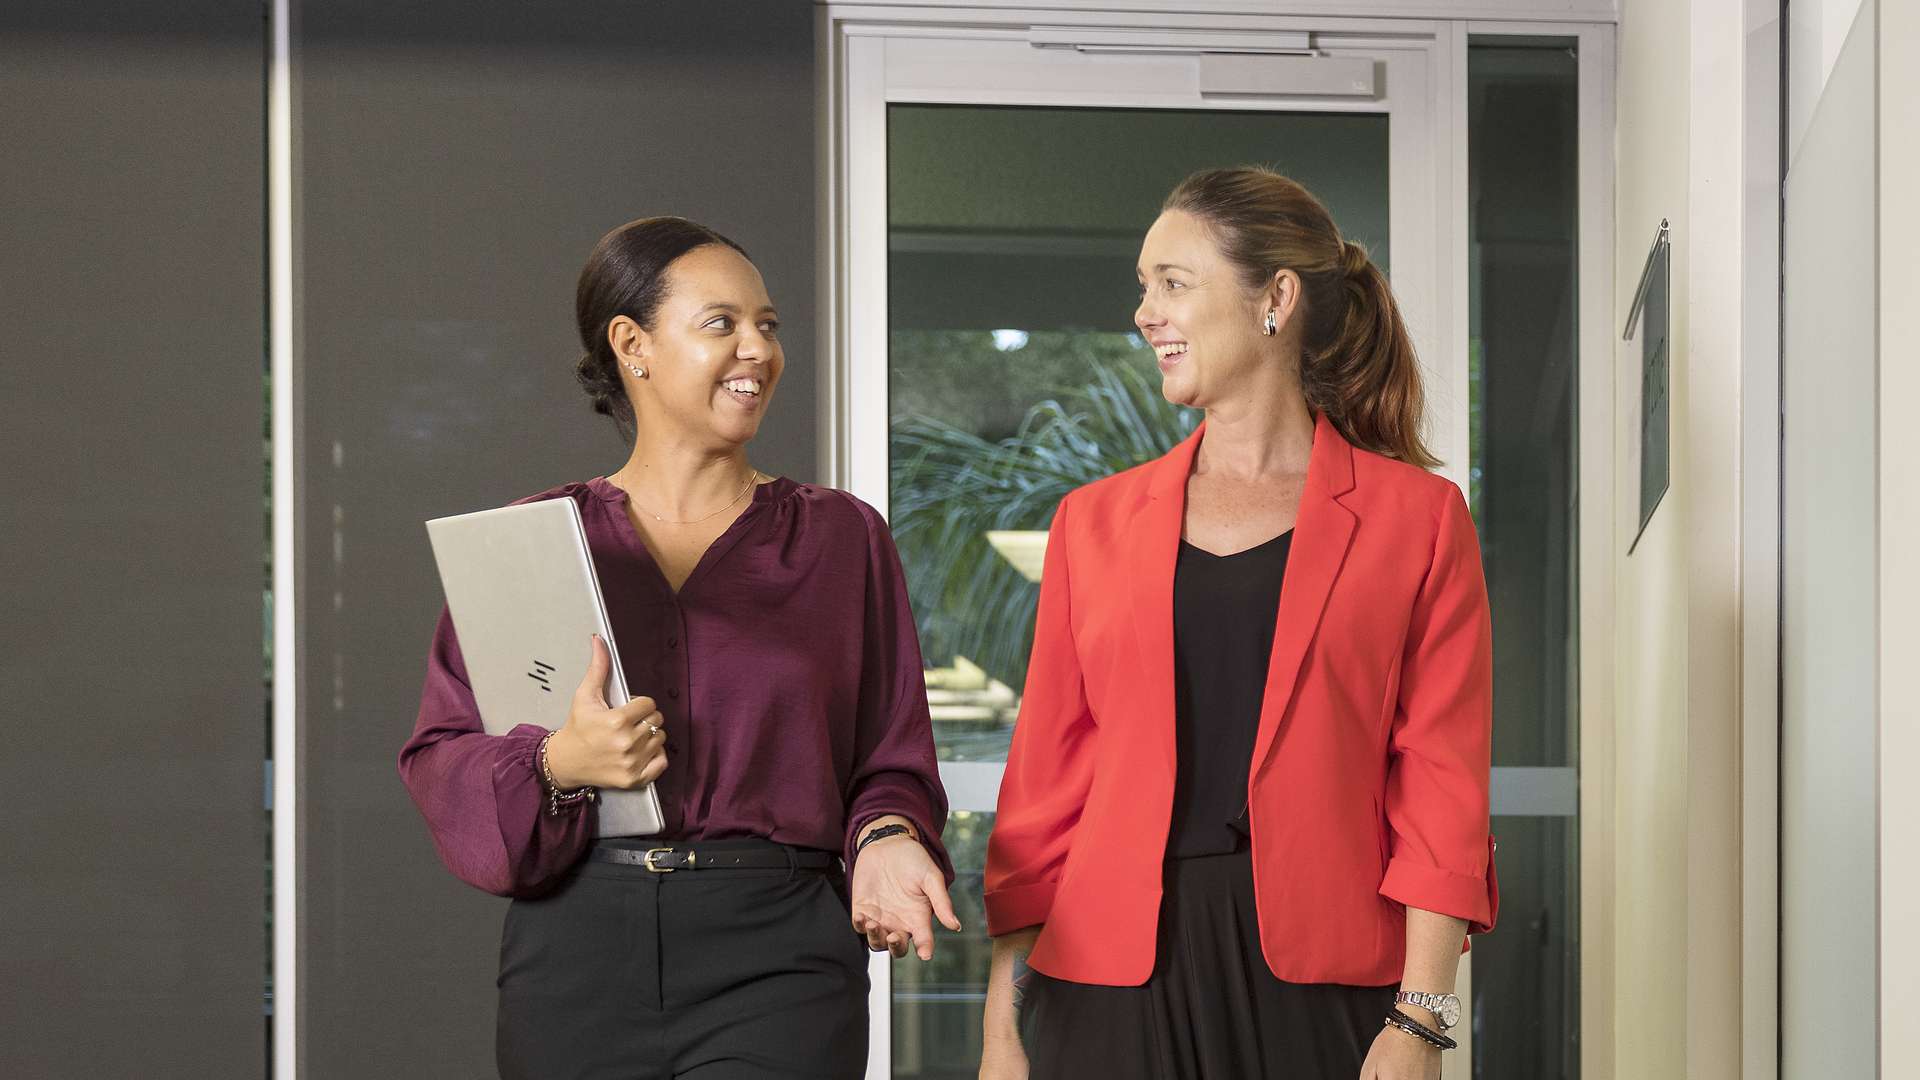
1445, 1007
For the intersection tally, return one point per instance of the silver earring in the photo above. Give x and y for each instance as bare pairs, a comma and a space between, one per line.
1271, 326
638, 372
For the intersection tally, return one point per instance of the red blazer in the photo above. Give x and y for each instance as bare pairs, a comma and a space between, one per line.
1368, 787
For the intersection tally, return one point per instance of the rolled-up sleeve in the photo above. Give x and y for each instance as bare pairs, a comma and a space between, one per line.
895, 768
1439, 746
481, 794
1050, 766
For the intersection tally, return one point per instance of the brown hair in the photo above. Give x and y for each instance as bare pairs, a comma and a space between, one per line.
1356, 360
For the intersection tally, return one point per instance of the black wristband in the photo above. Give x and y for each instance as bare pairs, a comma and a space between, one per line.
1396, 1018
881, 833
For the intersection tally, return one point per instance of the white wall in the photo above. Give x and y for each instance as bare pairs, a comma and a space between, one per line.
1723, 278
1693, 990
1899, 493
1828, 555
1688, 140
1649, 1037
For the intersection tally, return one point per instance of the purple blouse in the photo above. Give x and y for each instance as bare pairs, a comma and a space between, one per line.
787, 667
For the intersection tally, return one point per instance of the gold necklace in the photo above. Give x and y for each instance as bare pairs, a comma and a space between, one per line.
695, 521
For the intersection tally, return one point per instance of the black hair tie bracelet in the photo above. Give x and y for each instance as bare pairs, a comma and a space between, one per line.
1398, 1019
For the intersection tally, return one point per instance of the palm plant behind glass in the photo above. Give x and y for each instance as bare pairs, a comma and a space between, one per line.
951, 486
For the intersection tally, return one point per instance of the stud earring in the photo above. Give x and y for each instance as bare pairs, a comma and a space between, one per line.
638, 372
1272, 326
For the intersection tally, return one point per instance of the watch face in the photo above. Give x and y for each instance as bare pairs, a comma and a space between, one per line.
1449, 1010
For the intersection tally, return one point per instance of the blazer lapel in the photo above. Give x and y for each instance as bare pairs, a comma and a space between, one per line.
1153, 549
1320, 537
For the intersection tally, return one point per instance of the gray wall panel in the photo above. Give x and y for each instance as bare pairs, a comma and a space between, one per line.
132, 894
456, 163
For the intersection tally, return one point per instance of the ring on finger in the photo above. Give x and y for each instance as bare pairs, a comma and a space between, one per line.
652, 728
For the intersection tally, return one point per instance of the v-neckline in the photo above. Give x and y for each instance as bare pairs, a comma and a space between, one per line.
616, 496
1217, 557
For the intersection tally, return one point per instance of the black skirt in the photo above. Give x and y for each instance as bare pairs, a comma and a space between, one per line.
1211, 1010
625, 974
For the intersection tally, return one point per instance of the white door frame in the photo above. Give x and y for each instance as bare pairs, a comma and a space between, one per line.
873, 56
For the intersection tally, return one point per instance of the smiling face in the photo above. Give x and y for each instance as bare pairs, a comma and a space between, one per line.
712, 357
1204, 324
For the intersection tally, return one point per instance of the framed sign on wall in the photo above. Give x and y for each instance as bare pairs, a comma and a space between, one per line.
1651, 316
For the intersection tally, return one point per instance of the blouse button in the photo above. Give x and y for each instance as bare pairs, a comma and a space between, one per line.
673, 642
673, 692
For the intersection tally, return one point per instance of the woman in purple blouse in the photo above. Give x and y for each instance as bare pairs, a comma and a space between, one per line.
783, 723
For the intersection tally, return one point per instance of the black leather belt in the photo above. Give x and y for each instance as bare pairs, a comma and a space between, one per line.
667, 859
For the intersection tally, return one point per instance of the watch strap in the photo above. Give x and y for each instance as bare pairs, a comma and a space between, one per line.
1437, 1004
881, 833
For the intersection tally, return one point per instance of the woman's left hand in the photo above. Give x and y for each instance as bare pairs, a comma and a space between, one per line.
1397, 1055
897, 891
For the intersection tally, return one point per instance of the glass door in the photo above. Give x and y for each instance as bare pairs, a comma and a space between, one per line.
996, 191
1013, 376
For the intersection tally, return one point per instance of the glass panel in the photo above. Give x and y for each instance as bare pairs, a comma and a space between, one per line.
990, 429
1523, 210
1526, 974
936, 1005
1014, 376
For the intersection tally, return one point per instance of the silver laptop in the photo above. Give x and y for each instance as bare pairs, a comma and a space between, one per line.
524, 598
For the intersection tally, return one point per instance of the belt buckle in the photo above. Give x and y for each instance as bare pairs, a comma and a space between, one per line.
653, 853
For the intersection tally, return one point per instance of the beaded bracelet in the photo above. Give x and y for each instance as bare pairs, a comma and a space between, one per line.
1396, 1018
555, 797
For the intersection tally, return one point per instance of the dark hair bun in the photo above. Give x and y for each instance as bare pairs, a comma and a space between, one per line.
601, 384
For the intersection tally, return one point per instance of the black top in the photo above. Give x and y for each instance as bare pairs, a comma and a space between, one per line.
1224, 609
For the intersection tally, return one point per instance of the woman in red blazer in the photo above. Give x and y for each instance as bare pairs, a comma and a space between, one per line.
1238, 820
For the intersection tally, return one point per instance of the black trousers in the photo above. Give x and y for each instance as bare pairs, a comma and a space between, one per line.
625, 974
1211, 1010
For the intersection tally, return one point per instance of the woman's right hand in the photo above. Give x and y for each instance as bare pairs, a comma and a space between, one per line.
1002, 1057
605, 746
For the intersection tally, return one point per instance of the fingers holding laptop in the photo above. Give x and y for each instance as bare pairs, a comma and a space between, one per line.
593, 686
609, 746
